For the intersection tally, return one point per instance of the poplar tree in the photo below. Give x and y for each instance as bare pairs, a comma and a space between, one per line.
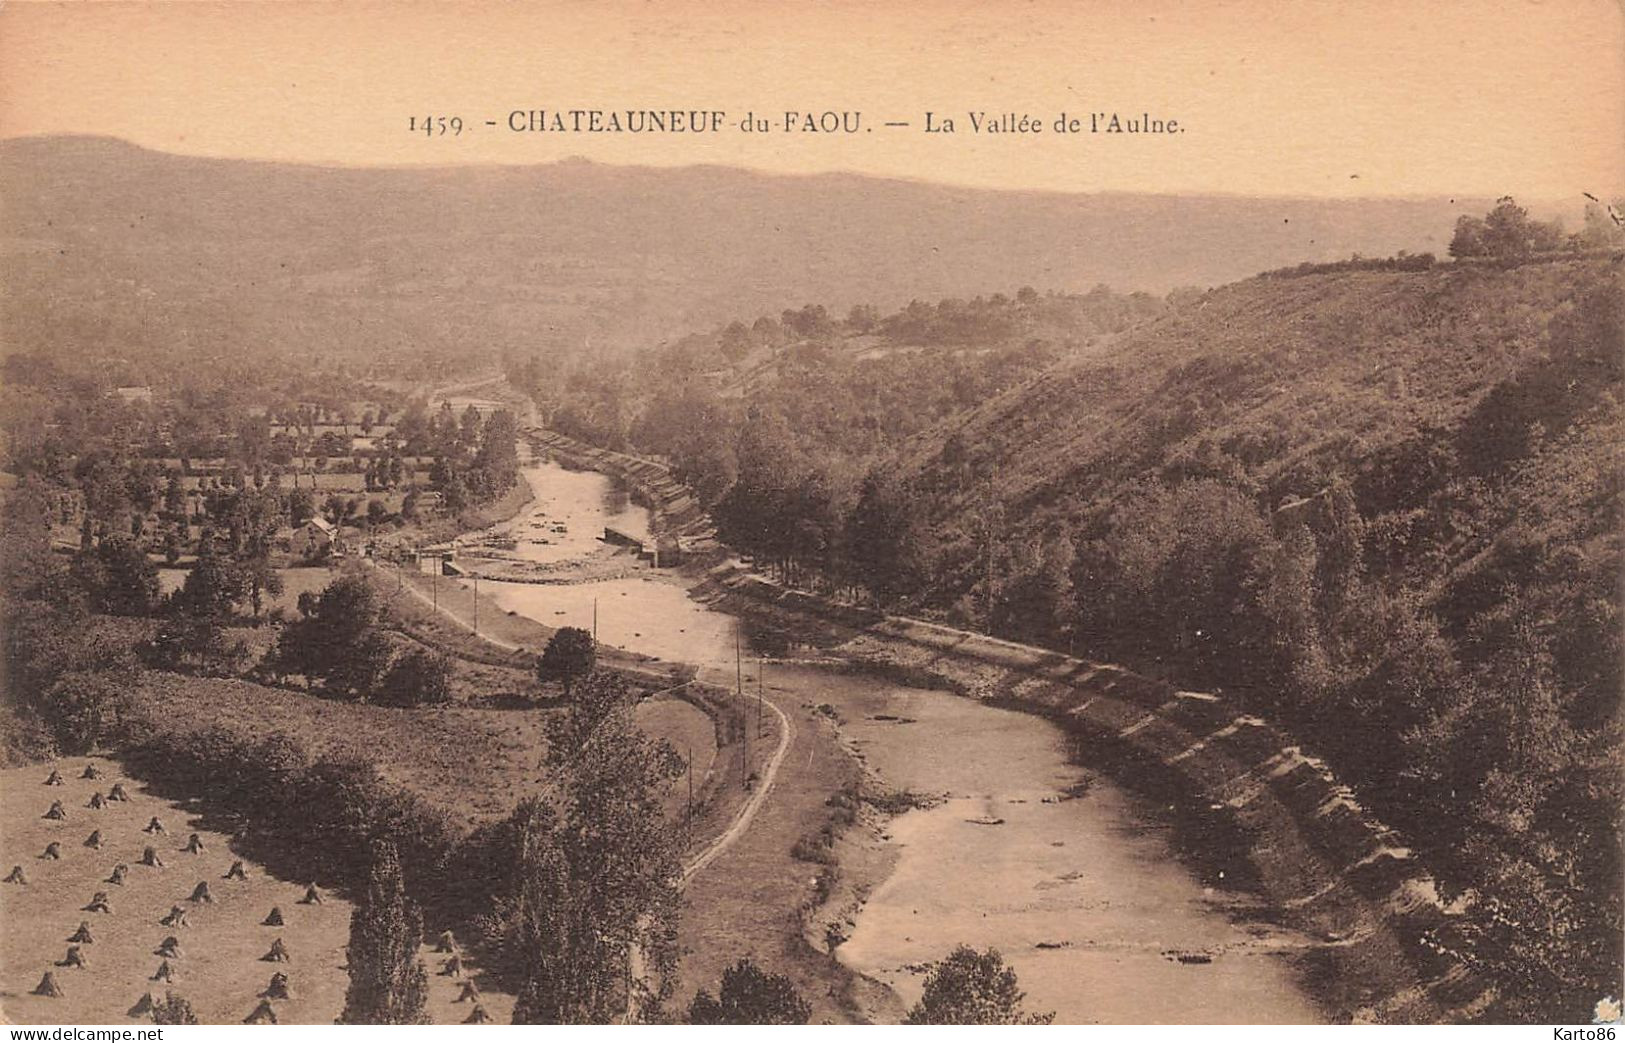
388, 983
595, 913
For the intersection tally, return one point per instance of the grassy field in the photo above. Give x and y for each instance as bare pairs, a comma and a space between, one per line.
295, 581
220, 971
475, 764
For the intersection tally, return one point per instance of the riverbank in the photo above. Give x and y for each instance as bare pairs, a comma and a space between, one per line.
1248, 803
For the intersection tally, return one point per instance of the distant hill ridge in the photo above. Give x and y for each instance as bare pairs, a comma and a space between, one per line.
116, 250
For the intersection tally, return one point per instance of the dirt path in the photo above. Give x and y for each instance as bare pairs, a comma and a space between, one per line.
746, 814
746, 900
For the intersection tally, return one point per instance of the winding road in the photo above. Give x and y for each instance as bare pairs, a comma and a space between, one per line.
747, 811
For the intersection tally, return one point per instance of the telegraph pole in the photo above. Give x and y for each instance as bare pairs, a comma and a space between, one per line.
739, 694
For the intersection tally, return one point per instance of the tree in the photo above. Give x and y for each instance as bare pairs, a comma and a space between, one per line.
883, 535
1506, 234
570, 655
118, 577
336, 639
419, 678
175, 497
198, 641
174, 544
972, 988
88, 709
735, 342
213, 587
750, 996
301, 507
388, 984
260, 579
596, 898
862, 318
1468, 240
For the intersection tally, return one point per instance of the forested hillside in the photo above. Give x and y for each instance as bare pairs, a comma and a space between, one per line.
1380, 505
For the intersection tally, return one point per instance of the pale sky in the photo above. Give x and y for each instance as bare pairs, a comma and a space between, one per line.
1277, 97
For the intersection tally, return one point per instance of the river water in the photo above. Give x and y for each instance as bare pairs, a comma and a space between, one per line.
1081, 893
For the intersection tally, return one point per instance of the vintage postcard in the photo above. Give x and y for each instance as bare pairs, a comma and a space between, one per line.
908, 512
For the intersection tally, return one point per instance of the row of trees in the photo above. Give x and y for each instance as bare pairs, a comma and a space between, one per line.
1508, 234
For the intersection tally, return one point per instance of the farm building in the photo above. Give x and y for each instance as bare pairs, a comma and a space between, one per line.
315, 539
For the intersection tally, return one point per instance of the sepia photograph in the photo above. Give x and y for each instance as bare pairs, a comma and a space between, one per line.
916, 512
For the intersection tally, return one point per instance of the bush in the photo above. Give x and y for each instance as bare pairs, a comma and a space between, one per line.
972, 988
750, 996
419, 678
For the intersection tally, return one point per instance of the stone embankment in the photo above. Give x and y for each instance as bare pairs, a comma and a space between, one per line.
1378, 944
677, 515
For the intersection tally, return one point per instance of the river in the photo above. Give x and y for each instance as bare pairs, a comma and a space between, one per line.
1077, 887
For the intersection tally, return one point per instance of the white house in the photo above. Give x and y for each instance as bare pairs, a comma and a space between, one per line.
315, 539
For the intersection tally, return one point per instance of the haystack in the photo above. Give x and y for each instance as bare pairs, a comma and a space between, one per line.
312, 896
477, 1016
236, 871
47, 986
470, 992
169, 948
176, 918
120, 871
278, 953
16, 876
75, 958
96, 801
446, 943
57, 812
98, 903
91, 772
453, 967
200, 893
82, 935
164, 973
94, 840
273, 918
117, 792
143, 1006
53, 851
194, 845
278, 989
154, 827
54, 779
262, 1015
149, 857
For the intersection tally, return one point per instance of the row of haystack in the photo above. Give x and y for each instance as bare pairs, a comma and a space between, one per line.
454, 967
169, 951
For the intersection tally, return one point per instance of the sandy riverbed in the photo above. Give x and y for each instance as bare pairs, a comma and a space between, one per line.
1083, 896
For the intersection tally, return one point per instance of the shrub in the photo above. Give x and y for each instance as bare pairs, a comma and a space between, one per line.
750, 996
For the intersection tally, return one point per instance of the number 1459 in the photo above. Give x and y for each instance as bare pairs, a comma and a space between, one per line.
435, 126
